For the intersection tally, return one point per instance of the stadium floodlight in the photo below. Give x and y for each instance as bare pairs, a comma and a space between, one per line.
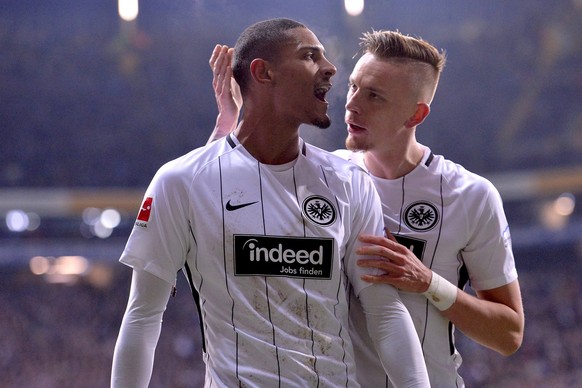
354, 7
128, 9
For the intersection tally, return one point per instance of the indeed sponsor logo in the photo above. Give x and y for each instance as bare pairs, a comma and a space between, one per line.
283, 256
278, 254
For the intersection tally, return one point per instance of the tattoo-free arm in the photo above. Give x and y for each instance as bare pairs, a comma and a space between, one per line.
494, 318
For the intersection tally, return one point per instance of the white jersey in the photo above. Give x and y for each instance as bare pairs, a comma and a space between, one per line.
267, 248
453, 220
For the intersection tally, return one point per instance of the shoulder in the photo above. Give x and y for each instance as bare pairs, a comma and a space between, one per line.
340, 160
352, 156
189, 165
342, 173
345, 177
474, 190
460, 178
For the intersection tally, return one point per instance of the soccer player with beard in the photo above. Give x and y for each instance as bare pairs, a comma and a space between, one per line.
265, 227
446, 225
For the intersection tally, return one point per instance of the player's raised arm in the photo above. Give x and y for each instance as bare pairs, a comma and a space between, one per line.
226, 92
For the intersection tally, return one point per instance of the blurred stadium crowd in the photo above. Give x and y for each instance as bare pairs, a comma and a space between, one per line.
89, 102
62, 335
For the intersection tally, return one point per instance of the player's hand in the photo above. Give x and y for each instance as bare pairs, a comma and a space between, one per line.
402, 269
226, 90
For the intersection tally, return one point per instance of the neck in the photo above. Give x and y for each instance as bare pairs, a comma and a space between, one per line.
269, 143
393, 164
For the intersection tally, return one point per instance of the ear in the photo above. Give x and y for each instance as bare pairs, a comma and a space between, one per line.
422, 111
260, 70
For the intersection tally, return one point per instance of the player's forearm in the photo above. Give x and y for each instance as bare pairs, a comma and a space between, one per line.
133, 357
491, 324
392, 331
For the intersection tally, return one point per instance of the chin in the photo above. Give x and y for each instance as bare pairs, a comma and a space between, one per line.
353, 145
322, 122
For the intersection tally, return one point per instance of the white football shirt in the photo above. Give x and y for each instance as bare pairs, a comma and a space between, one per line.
267, 249
453, 220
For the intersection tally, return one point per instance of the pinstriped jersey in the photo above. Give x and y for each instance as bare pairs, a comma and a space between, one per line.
453, 220
267, 248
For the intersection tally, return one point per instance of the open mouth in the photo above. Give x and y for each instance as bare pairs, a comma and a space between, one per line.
321, 92
355, 128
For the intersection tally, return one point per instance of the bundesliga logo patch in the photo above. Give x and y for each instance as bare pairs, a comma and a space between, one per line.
283, 256
144, 213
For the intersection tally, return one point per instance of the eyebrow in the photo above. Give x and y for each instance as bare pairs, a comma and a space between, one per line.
319, 49
370, 88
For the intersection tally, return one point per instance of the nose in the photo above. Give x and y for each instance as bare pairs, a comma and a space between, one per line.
351, 102
328, 68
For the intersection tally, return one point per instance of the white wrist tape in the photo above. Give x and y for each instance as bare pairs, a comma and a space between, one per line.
441, 293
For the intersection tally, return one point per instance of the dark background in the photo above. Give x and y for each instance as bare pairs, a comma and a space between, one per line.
91, 106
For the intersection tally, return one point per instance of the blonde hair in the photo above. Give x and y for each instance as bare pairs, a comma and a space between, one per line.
426, 62
393, 45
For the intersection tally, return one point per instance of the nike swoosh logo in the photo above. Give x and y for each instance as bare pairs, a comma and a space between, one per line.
230, 207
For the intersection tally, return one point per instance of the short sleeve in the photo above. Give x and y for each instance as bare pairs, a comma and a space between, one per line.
160, 238
488, 254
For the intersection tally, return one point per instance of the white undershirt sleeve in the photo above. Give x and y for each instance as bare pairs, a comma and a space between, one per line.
133, 357
392, 331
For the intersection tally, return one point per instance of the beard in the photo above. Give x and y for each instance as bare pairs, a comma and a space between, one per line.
322, 122
353, 145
